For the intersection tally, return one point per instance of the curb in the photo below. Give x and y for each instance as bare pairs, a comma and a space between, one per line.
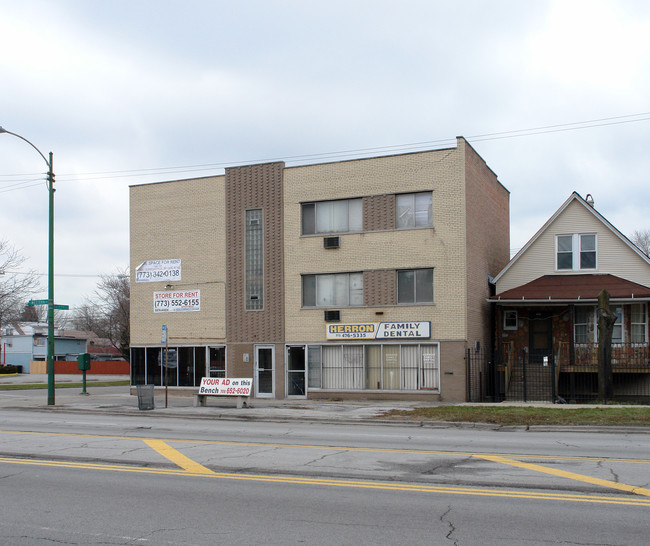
366, 421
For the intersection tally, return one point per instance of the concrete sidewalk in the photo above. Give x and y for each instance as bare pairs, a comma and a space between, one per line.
119, 401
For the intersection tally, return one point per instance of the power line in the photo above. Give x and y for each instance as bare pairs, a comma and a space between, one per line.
342, 154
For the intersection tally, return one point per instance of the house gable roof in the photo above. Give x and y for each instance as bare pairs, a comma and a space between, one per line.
574, 289
575, 197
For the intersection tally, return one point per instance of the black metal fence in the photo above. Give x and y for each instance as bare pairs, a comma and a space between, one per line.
482, 378
540, 378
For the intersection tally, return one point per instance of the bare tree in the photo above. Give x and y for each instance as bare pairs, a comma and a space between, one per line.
107, 313
15, 286
87, 317
641, 238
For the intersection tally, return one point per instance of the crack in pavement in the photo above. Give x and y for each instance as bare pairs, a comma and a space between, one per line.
452, 527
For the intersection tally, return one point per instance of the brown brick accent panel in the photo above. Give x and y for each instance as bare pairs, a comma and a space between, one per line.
255, 187
379, 288
379, 212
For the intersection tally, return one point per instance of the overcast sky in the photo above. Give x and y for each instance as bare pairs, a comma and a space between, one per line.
130, 92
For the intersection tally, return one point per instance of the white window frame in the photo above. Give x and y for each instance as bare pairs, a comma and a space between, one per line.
619, 325
509, 314
593, 323
576, 251
644, 314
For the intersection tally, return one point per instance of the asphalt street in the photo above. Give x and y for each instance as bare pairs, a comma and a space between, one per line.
95, 469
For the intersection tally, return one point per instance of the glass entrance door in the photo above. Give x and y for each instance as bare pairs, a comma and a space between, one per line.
264, 370
296, 371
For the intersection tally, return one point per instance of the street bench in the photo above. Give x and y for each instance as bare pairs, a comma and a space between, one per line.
238, 387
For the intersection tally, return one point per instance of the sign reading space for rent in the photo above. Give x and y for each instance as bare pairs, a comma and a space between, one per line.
174, 301
158, 270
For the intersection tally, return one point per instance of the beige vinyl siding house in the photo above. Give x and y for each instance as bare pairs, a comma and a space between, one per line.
614, 253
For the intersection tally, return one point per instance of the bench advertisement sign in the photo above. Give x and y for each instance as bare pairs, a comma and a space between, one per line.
175, 301
233, 386
158, 270
380, 330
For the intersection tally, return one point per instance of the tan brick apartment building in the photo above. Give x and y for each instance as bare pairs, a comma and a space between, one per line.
366, 278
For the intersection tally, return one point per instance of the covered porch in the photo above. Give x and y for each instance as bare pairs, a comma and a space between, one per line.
547, 339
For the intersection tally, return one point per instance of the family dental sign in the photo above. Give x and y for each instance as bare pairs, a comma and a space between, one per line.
380, 330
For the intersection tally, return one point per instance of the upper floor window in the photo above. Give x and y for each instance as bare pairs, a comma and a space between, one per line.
332, 216
415, 286
576, 251
332, 290
414, 210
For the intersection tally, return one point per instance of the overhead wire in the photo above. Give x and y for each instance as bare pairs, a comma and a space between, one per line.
340, 154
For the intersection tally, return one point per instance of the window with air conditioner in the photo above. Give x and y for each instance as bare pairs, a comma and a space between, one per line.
332, 290
341, 216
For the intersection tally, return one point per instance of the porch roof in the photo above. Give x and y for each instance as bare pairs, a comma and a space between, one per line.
574, 289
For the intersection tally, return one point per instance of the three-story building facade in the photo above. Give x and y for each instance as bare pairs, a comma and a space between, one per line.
366, 278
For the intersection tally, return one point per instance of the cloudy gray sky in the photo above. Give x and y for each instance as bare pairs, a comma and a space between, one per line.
554, 95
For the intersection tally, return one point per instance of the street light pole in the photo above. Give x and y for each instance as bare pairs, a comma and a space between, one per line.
50, 270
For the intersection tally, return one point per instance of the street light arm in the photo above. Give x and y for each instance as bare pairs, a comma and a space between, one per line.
3, 130
50, 271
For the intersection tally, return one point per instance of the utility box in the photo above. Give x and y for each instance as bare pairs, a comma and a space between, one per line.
84, 362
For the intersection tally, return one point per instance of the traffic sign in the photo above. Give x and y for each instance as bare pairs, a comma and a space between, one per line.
44, 302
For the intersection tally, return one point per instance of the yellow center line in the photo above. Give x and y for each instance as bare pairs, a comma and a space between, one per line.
176, 457
564, 474
337, 448
329, 482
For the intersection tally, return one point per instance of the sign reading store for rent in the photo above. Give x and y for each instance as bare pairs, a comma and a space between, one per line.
380, 330
175, 301
158, 270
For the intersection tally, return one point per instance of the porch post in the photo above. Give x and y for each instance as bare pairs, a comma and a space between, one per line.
606, 320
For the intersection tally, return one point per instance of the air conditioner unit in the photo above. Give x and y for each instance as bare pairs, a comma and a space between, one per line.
254, 222
331, 242
332, 316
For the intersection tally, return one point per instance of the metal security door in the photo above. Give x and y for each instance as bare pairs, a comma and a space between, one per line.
264, 371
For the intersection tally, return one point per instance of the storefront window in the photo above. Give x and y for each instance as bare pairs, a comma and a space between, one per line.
374, 367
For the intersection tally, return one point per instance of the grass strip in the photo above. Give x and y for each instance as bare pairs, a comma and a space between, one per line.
520, 416
26, 386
